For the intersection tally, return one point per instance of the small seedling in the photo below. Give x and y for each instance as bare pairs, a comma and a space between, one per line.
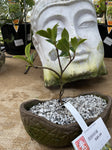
65, 45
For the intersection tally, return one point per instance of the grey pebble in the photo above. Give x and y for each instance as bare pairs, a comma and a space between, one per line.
89, 106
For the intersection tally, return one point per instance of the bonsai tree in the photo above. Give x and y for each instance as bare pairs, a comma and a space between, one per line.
14, 9
64, 45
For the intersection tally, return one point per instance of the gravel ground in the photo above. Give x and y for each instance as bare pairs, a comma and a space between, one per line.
89, 106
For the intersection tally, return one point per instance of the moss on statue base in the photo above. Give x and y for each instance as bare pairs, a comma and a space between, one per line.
71, 75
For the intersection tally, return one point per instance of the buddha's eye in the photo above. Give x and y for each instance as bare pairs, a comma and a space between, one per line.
87, 24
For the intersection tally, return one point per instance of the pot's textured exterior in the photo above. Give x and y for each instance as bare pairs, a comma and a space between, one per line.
53, 135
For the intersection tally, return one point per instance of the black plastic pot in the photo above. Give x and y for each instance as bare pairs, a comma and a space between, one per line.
104, 33
15, 42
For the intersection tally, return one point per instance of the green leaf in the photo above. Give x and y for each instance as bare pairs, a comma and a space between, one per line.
32, 58
44, 33
54, 33
27, 50
81, 41
72, 49
74, 43
65, 34
50, 41
65, 54
49, 32
21, 57
63, 45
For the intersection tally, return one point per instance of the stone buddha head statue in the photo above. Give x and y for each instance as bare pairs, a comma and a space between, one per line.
79, 18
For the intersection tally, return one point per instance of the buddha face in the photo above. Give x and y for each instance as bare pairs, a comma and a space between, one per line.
79, 18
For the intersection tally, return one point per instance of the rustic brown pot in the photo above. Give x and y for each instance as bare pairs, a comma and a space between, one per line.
53, 135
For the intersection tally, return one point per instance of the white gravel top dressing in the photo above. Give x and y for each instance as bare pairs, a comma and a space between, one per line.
89, 106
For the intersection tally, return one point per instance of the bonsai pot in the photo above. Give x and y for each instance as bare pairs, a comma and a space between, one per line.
2, 59
15, 42
51, 134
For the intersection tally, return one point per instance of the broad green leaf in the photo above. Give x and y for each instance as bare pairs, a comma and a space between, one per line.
63, 45
81, 41
27, 50
72, 49
65, 54
32, 58
21, 57
50, 41
44, 33
74, 43
54, 33
65, 34
49, 32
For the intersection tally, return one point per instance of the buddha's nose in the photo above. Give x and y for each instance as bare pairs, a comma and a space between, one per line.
72, 31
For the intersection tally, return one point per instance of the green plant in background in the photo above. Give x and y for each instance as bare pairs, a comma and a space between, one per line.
64, 45
19, 8
3, 11
14, 9
109, 12
100, 6
14, 15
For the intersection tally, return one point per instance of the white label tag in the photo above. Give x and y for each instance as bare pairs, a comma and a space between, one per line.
29, 37
108, 41
18, 42
93, 137
77, 116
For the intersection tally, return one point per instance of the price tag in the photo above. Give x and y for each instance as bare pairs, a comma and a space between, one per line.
93, 137
108, 41
29, 37
18, 42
